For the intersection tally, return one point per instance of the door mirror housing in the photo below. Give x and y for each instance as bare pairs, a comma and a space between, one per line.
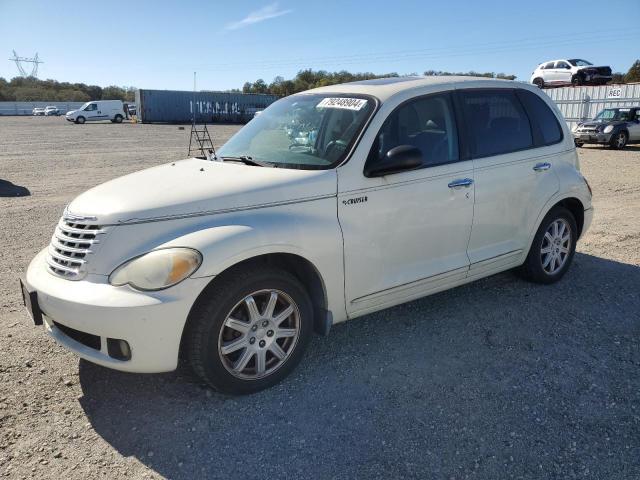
399, 159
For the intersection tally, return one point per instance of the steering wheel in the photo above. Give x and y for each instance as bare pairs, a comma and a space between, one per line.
299, 148
341, 144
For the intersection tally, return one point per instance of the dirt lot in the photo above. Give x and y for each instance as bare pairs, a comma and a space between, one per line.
498, 379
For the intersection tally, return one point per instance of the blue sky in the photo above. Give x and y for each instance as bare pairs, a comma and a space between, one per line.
160, 44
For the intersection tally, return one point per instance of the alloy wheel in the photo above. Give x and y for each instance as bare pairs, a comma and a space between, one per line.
621, 140
259, 334
556, 246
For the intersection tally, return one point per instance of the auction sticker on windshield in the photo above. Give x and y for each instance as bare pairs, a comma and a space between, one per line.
342, 102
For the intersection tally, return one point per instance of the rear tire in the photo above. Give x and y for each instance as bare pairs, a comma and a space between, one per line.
239, 350
117, 119
552, 249
538, 82
80, 120
619, 140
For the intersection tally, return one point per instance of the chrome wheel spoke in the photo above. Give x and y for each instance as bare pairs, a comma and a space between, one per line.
564, 250
261, 361
548, 237
233, 345
242, 362
273, 298
561, 230
254, 314
277, 351
547, 260
286, 332
283, 315
239, 325
545, 250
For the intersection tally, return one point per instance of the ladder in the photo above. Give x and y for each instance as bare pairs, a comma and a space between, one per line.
200, 142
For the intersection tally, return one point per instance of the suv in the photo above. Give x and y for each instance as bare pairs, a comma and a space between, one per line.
332, 204
38, 111
51, 111
612, 126
570, 72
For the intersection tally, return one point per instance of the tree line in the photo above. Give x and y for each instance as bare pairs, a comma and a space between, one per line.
306, 79
31, 89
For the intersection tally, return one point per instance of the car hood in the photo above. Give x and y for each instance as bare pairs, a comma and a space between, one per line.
596, 123
199, 187
71, 112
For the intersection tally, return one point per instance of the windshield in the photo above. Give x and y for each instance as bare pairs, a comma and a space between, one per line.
307, 131
609, 114
576, 62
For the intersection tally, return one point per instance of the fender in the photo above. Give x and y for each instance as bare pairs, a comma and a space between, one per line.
570, 187
315, 238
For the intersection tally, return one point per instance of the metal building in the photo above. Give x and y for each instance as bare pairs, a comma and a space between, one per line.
170, 106
578, 104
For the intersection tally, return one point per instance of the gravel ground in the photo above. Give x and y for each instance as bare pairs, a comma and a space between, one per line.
497, 379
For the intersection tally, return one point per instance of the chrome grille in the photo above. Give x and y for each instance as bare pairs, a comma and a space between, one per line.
71, 245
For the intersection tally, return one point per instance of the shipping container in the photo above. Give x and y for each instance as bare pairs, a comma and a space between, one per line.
170, 106
578, 104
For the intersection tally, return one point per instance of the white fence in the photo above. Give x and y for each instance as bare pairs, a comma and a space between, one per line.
578, 104
26, 108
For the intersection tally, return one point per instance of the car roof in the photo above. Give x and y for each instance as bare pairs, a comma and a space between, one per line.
384, 88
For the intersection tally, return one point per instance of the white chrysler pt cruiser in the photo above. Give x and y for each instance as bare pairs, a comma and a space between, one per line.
332, 204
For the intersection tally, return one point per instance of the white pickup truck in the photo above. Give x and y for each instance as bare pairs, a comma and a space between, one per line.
331, 204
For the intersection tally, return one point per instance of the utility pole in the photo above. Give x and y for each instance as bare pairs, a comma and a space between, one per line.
20, 60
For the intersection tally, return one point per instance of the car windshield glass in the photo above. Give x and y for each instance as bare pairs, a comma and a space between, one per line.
613, 114
576, 62
306, 131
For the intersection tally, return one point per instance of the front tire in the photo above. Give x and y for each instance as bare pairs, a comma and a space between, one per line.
80, 120
619, 140
553, 247
577, 80
251, 331
538, 82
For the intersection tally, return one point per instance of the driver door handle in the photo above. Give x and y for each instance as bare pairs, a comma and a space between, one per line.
461, 182
540, 167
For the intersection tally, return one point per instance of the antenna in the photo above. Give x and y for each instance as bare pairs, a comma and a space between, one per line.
20, 60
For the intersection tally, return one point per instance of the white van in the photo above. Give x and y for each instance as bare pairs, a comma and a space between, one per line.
98, 110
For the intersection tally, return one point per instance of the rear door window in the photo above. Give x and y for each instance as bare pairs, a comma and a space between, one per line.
543, 120
496, 122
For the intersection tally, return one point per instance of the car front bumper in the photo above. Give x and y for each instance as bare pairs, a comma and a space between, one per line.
592, 137
150, 322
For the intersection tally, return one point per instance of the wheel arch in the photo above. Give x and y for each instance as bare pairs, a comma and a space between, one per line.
303, 269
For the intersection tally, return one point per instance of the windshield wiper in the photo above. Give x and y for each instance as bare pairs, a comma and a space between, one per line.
247, 160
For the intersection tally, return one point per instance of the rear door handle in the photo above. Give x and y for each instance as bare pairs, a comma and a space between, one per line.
461, 182
542, 166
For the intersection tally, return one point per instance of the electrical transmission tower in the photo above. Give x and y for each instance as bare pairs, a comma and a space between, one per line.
20, 60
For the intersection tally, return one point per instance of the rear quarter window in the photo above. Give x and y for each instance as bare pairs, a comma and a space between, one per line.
546, 128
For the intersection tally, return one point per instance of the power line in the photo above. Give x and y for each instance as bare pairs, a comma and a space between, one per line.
559, 41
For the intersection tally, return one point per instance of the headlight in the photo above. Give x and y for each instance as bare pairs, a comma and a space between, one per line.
608, 129
157, 269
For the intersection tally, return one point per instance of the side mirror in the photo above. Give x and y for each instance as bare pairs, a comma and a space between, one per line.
398, 159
